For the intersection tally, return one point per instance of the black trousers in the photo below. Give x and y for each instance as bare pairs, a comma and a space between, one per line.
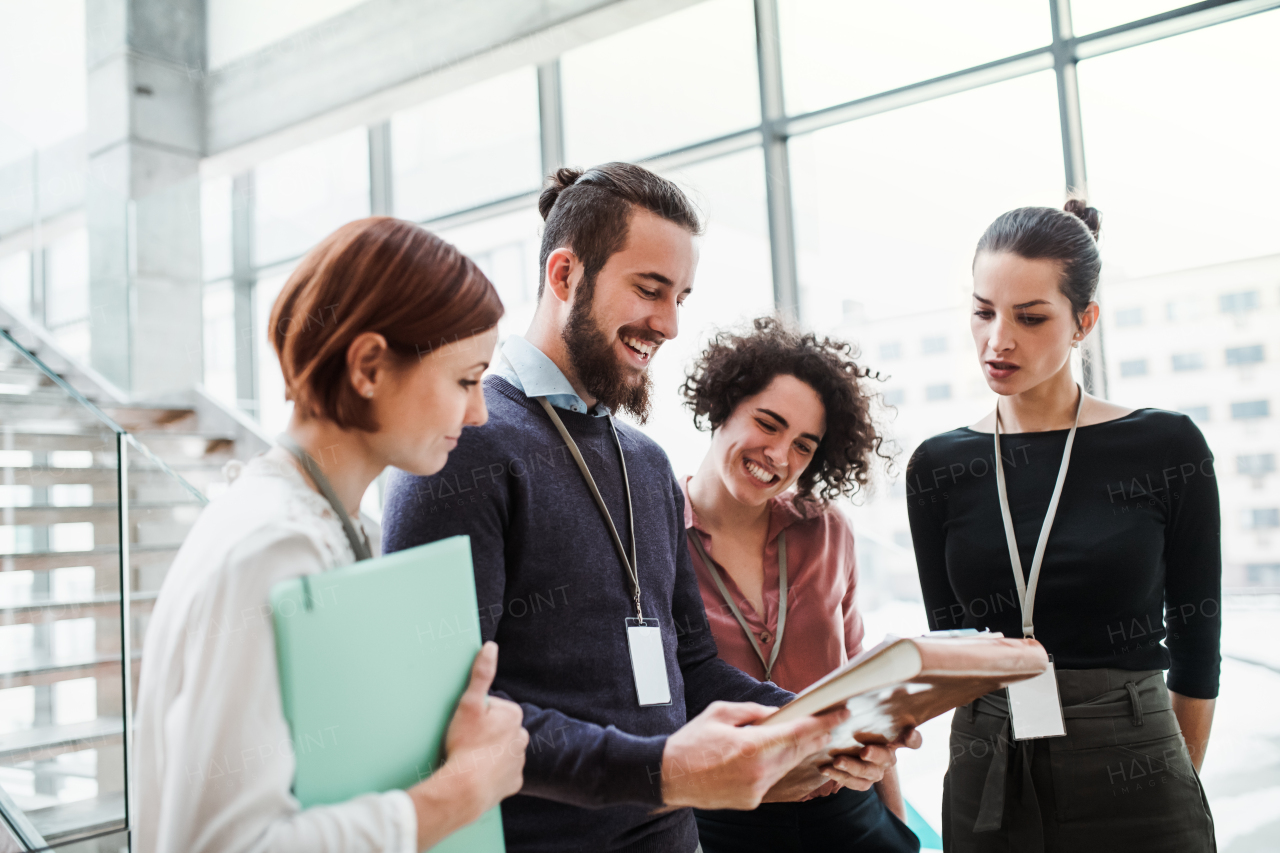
846, 820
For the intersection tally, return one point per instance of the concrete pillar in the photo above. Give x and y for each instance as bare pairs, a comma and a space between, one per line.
145, 136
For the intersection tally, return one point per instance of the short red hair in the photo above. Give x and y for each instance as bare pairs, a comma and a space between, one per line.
382, 275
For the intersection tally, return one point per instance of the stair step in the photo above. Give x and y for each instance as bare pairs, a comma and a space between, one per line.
103, 515
66, 821
51, 672
103, 606
183, 445
102, 557
44, 742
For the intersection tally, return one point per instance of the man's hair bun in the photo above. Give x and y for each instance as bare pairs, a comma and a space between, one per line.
557, 182
1088, 215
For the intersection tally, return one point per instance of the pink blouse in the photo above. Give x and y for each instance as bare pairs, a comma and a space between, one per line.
824, 629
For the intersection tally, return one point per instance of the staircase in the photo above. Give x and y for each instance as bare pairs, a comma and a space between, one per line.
88, 482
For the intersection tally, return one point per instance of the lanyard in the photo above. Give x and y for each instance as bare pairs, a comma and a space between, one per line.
737, 614
629, 563
1027, 590
359, 545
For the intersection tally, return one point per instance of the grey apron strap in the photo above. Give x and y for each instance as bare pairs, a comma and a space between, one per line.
1125, 701
629, 563
359, 546
733, 606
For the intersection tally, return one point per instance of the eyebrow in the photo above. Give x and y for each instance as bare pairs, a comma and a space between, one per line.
662, 279
780, 419
1019, 305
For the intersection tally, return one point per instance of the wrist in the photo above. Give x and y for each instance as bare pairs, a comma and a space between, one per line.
443, 805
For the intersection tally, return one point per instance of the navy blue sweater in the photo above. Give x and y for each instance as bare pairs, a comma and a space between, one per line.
554, 594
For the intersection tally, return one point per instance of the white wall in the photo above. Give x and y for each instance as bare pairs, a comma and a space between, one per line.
237, 28
42, 79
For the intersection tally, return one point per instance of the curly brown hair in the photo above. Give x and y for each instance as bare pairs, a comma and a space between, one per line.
737, 365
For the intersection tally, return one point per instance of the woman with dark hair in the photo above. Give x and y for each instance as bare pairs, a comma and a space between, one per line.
1093, 528
776, 567
382, 332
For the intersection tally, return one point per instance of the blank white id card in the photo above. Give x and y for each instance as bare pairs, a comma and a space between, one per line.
1034, 706
648, 663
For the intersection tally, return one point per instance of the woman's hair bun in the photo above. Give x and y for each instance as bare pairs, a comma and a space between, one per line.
1089, 215
557, 182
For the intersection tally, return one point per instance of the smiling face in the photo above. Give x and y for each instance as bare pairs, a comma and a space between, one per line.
1023, 326
619, 321
428, 401
764, 446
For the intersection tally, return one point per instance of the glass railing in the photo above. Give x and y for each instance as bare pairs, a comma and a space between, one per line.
89, 522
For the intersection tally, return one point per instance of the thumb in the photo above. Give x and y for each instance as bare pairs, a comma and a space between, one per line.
483, 670
738, 713
807, 734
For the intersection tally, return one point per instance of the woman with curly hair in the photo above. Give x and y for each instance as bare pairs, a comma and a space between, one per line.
790, 432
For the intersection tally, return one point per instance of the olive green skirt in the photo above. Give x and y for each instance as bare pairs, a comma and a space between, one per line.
1121, 778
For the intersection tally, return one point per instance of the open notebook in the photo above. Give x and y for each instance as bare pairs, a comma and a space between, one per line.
373, 659
905, 681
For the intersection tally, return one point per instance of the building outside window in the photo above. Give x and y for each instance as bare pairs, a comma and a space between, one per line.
1250, 410
1256, 464
1245, 355
1238, 303
1262, 519
1129, 317
1187, 361
1133, 367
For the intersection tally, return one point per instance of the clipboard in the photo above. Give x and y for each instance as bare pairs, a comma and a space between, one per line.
373, 658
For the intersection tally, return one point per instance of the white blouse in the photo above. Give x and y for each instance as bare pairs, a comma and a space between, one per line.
212, 754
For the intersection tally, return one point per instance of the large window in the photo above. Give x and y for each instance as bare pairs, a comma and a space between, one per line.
645, 90
469, 147
842, 50
301, 196
733, 284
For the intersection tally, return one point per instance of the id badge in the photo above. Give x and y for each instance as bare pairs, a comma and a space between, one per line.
648, 663
1034, 707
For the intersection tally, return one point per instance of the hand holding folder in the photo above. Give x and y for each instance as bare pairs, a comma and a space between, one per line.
902, 683
385, 686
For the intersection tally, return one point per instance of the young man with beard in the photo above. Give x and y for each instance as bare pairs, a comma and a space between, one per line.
578, 542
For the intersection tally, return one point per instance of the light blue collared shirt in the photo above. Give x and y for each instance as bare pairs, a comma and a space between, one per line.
533, 372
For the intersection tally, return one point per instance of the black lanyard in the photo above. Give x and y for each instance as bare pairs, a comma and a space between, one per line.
629, 563
737, 614
359, 545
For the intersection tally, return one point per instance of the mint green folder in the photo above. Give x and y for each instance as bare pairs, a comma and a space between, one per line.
373, 658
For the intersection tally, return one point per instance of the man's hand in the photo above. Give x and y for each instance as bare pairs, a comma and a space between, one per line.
717, 761
861, 767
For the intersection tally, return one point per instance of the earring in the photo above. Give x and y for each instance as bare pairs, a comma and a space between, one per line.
368, 392
1075, 344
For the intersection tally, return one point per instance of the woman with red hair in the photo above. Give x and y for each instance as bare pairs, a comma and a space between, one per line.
383, 333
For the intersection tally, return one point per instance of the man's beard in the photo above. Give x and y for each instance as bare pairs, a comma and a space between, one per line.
592, 358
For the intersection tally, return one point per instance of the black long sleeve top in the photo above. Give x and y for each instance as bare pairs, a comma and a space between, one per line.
1132, 575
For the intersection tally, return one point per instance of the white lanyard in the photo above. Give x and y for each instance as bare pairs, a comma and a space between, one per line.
1027, 590
737, 614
